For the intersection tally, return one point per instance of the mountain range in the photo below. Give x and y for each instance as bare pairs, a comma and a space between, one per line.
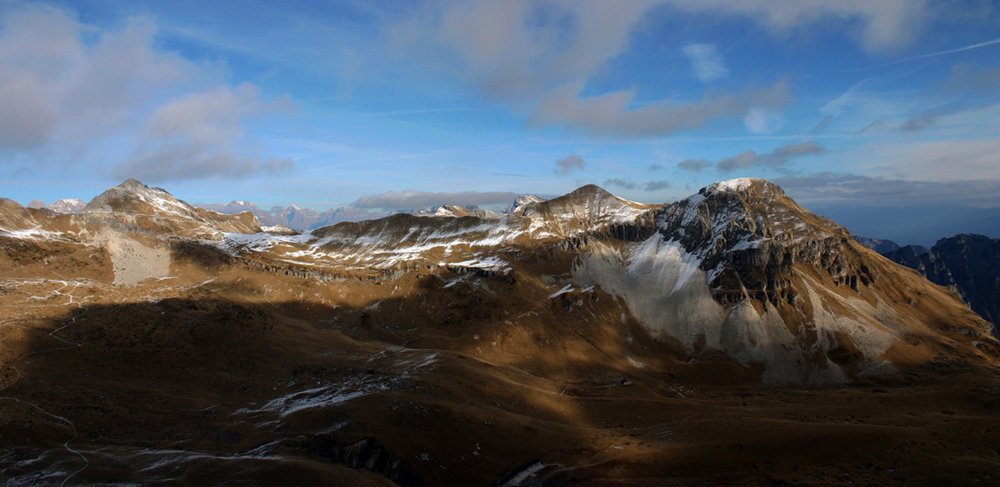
920, 225
969, 264
730, 338
293, 217
61, 206
304, 219
966, 263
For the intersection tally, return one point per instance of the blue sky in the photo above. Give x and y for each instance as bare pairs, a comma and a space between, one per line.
322, 104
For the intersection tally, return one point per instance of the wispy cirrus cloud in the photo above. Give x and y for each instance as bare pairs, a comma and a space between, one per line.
611, 114
538, 56
707, 62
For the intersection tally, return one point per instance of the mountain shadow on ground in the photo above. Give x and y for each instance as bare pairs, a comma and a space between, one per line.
209, 390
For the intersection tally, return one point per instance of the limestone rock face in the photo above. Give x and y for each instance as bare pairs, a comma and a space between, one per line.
741, 268
748, 236
969, 264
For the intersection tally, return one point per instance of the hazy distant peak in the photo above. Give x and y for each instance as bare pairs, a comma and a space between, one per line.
67, 205
36, 204
879, 245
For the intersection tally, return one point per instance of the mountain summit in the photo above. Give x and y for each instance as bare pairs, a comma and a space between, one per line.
586, 330
738, 268
134, 203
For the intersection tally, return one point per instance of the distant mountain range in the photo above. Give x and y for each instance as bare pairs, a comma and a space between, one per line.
293, 217
969, 264
879, 245
304, 219
61, 206
916, 224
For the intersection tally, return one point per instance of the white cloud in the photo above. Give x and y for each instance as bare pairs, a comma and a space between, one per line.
854, 189
706, 61
55, 86
514, 49
538, 56
67, 88
611, 113
196, 136
879, 26
765, 122
694, 165
630, 185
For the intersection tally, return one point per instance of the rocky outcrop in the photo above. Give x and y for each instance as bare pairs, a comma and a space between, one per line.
521, 204
364, 454
748, 236
968, 264
742, 269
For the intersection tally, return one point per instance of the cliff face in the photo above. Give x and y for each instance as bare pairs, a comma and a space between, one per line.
969, 264
742, 269
749, 236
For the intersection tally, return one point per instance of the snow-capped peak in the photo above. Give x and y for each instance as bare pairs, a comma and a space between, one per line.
750, 188
67, 205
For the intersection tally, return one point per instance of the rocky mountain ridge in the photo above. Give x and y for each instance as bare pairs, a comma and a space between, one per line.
737, 268
148, 341
293, 217
969, 264
305, 219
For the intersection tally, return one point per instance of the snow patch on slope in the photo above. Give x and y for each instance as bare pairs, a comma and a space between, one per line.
35, 233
